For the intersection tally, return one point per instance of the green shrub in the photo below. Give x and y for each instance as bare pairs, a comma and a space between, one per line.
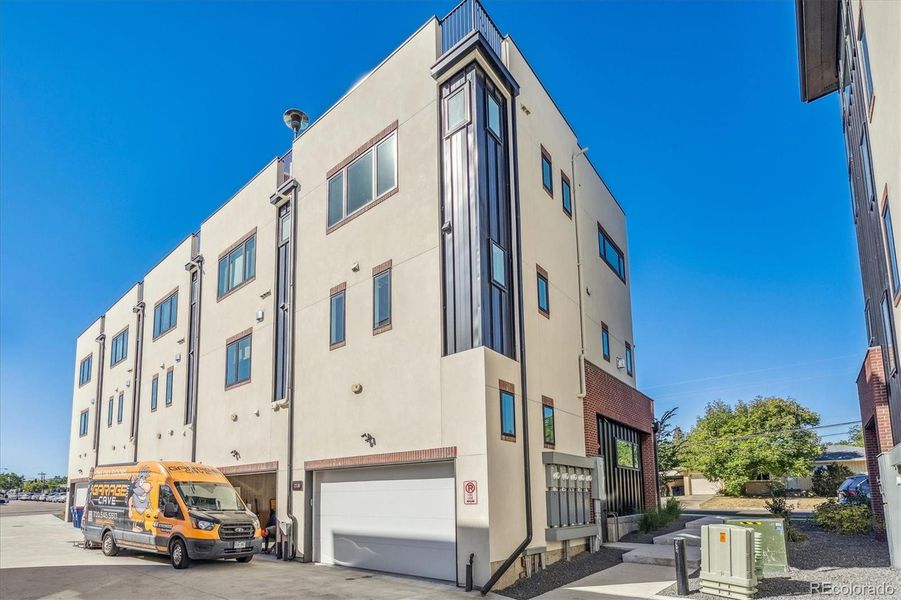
672, 508
779, 507
846, 519
649, 521
826, 479
653, 520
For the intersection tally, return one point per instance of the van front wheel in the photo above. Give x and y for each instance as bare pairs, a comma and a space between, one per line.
178, 553
245, 559
109, 544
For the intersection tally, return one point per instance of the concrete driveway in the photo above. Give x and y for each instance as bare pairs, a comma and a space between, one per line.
40, 557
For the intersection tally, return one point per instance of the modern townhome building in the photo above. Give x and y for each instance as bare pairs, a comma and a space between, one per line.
853, 47
410, 336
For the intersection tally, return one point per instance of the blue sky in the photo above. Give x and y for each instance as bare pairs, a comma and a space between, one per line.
123, 125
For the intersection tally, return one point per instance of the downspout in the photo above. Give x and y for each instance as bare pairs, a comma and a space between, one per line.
197, 261
101, 342
289, 365
527, 468
572, 195
139, 359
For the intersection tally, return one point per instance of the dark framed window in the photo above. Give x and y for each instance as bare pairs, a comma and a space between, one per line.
364, 180
154, 392
630, 361
165, 314
494, 115
119, 348
381, 299
611, 253
336, 319
83, 423
605, 342
109, 412
547, 172
237, 361
169, 375
566, 193
887, 325
867, 317
544, 294
627, 454
890, 248
238, 265
84, 369
498, 265
865, 59
867, 167
120, 413
547, 416
457, 109
508, 414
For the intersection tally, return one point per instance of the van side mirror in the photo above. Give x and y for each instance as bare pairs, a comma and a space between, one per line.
170, 511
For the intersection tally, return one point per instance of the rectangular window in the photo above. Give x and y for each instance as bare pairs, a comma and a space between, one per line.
109, 412
630, 367
154, 391
121, 409
889, 335
84, 370
363, 181
611, 253
169, 375
544, 300
508, 414
381, 299
866, 317
119, 350
890, 248
336, 319
547, 412
865, 58
547, 172
867, 167
83, 424
626, 454
165, 314
567, 194
237, 362
238, 266
498, 265
457, 109
494, 115
605, 341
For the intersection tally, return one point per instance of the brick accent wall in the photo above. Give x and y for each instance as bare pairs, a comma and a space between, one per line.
388, 458
877, 424
608, 396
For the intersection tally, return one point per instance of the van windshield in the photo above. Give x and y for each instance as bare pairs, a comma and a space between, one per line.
202, 495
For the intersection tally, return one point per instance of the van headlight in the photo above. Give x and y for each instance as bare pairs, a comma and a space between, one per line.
203, 525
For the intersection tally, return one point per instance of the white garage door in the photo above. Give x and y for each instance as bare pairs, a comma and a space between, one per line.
398, 519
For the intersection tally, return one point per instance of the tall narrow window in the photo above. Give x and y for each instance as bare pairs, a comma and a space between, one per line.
865, 59
238, 265
867, 167
544, 300
494, 115
169, 376
605, 341
630, 361
381, 300
237, 361
888, 328
508, 414
336, 319
165, 314
109, 412
84, 370
282, 301
121, 409
119, 349
83, 423
890, 248
547, 413
154, 392
370, 176
566, 193
547, 172
498, 265
611, 253
457, 110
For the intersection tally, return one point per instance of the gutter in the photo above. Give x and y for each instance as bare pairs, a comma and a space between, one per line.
101, 341
197, 261
139, 359
289, 363
572, 197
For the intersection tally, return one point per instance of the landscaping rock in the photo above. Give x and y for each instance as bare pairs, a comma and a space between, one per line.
563, 572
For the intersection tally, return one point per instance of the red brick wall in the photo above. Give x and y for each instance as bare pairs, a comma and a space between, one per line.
608, 396
877, 424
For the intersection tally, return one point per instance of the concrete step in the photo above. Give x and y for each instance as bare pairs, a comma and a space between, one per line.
656, 554
691, 535
698, 523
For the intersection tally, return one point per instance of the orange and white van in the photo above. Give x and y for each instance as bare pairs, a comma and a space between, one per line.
185, 510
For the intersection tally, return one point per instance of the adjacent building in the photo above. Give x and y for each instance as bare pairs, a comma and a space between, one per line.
853, 47
410, 336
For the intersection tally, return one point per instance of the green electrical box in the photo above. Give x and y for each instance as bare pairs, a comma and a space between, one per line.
770, 555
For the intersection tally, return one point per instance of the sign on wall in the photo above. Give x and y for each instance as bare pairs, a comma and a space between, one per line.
470, 492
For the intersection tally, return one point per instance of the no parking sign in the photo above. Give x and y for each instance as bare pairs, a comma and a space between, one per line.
470, 492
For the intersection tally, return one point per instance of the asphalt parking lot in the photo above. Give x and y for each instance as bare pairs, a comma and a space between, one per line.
41, 556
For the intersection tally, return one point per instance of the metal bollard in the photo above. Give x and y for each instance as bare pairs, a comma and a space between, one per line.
469, 573
681, 571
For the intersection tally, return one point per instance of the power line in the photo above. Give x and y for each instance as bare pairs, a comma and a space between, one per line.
771, 433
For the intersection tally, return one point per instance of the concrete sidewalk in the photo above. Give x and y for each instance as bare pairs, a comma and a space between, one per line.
622, 582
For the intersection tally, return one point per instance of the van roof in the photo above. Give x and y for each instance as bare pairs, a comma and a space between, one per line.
176, 469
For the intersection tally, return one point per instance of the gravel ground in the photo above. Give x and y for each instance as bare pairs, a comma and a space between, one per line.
563, 572
638, 537
842, 561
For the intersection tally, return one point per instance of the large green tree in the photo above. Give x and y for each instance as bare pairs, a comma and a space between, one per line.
767, 435
11, 481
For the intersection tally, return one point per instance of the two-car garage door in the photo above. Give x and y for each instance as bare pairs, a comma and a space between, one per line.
399, 519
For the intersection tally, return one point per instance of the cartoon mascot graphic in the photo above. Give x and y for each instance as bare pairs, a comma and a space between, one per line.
139, 499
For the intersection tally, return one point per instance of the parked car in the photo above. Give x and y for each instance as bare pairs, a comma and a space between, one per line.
855, 489
25, 496
12, 496
3, 499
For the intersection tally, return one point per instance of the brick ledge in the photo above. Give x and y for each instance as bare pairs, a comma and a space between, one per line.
387, 458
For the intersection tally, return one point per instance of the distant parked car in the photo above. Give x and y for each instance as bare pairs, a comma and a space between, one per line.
25, 496
3, 499
42, 497
855, 489
12, 496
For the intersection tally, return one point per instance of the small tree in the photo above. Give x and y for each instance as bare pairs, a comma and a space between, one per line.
826, 479
669, 441
855, 436
11, 481
767, 435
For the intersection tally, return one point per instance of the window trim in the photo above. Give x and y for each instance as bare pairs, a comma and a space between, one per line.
243, 240
630, 360
636, 454
547, 402
90, 357
888, 322
547, 155
894, 267
540, 274
83, 423
169, 389
120, 407
505, 387
565, 184
605, 334
865, 67
490, 96
154, 392
109, 416
341, 168
467, 118
113, 344
603, 232
247, 333
173, 323
377, 270
341, 288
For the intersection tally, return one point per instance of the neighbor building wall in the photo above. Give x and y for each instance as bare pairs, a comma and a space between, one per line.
81, 447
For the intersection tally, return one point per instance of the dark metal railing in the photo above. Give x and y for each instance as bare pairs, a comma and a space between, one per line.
284, 168
466, 17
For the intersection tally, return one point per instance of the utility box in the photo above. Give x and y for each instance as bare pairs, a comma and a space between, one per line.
771, 557
727, 561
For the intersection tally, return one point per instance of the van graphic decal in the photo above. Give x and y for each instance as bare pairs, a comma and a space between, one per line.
139, 499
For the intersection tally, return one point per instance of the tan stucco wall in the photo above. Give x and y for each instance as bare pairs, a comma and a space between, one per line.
81, 453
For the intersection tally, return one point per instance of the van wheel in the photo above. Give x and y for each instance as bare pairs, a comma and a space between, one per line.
109, 544
178, 553
245, 559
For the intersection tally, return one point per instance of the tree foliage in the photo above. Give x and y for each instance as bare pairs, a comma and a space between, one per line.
669, 440
11, 481
734, 444
826, 479
855, 436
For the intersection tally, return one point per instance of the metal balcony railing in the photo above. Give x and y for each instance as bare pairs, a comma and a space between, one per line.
466, 17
